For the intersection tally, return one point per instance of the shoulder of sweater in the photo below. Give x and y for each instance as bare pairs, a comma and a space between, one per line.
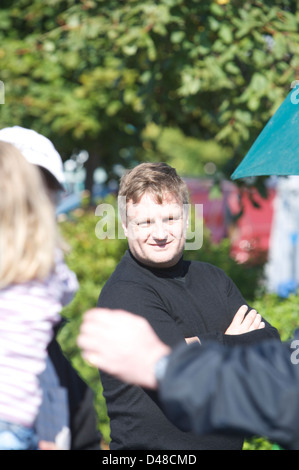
124, 275
205, 266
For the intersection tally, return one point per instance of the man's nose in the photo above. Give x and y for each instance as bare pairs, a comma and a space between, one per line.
159, 231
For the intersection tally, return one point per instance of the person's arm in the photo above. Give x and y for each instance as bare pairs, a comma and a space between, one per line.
244, 321
245, 390
236, 322
251, 390
142, 300
233, 335
122, 344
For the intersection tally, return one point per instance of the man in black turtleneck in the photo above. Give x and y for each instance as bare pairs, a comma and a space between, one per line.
182, 300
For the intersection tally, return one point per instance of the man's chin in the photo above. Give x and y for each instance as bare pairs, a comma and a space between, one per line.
161, 260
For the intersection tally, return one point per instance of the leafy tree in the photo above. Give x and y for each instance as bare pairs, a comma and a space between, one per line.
95, 74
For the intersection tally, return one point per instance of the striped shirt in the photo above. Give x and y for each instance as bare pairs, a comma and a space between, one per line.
28, 313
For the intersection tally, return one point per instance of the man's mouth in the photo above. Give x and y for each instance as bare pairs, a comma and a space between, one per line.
160, 244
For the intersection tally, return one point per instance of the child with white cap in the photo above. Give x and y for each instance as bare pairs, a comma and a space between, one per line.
34, 281
38, 150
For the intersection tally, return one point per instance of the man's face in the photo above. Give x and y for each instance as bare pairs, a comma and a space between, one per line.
156, 232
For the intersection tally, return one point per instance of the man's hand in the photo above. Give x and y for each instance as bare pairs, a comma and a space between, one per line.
243, 323
45, 445
121, 344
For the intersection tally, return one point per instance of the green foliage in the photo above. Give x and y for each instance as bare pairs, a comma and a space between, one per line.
258, 443
95, 75
171, 145
282, 313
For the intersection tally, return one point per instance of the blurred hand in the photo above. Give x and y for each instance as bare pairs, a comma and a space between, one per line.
121, 344
243, 323
45, 445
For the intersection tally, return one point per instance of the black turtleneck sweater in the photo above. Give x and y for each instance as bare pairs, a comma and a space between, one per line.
190, 299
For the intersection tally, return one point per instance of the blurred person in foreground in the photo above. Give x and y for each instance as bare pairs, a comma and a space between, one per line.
66, 419
182, 300
244, 390
34, 286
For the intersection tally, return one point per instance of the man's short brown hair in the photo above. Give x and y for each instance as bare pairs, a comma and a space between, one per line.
155, 178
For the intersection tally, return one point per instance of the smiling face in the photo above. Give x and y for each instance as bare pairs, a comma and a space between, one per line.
156, 232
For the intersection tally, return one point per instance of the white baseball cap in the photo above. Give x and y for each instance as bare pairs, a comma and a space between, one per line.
37, 149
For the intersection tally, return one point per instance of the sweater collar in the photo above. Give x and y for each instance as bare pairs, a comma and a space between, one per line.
177, 271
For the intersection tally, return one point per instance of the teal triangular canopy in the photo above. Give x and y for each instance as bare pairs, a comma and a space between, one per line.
276, 150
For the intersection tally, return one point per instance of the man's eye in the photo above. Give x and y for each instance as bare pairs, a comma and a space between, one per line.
144, 223
172, 219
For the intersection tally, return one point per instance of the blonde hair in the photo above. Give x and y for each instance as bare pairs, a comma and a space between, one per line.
28, 231
156, 178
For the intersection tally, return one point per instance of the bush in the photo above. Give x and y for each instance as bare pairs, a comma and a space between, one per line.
281, 313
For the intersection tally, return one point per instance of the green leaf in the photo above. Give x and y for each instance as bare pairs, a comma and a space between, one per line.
177, 36
225, 33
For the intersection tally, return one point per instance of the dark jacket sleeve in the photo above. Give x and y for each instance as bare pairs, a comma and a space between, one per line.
250, 390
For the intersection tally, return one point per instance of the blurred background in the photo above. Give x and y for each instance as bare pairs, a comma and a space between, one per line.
114, 83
